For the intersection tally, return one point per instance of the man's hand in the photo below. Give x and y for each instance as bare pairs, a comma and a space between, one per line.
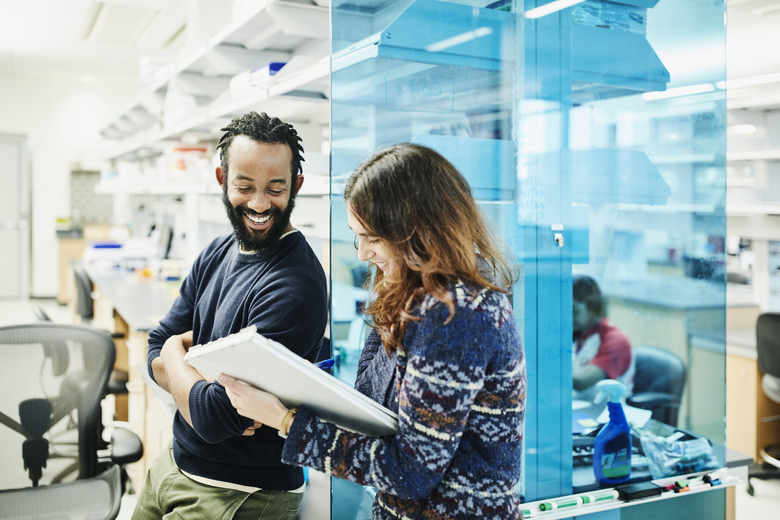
186, 340
178, 375
251, 430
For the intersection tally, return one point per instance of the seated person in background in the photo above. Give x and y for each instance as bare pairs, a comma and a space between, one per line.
600, 350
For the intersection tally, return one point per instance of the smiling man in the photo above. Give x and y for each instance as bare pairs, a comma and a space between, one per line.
260, 195
220, 464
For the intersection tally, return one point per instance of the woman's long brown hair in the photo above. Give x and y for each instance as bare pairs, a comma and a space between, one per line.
421, 206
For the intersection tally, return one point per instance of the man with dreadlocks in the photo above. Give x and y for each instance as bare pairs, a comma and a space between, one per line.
220, 464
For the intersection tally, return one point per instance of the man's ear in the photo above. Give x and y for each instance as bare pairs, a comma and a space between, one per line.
220, 175
298, 183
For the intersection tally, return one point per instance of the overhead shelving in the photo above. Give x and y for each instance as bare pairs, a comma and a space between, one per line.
193, 97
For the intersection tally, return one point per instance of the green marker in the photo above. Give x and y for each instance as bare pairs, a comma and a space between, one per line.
598, 497
561, 502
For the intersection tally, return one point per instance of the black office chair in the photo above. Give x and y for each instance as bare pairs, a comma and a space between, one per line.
659, 381
55, 463
84, 302
85, 308
768, 348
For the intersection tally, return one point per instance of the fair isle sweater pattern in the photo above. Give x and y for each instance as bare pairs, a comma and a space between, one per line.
461, 386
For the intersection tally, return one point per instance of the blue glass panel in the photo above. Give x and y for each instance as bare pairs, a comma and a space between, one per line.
441, 74
587, 156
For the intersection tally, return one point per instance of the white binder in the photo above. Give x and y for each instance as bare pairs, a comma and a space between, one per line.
270, 366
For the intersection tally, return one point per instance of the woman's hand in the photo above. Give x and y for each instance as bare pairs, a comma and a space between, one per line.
253, 403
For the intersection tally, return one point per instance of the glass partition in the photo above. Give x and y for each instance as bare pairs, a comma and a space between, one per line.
646, 201
594, 140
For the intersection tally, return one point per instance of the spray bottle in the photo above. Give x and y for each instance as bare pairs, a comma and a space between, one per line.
612, 447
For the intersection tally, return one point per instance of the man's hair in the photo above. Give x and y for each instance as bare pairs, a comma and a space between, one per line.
263, 129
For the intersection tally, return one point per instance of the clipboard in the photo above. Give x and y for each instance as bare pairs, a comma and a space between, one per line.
270, 366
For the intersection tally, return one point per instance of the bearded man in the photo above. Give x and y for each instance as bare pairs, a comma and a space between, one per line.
220, 464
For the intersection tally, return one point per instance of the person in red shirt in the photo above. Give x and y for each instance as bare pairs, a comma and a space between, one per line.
600, 350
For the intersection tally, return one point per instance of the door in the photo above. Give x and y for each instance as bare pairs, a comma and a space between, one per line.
14, 218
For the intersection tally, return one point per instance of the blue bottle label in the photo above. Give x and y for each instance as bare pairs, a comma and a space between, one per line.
616, 457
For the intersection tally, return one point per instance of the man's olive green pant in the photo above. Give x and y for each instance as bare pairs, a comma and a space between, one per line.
169, 494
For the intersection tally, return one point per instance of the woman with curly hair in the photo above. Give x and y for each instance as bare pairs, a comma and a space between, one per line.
444, 353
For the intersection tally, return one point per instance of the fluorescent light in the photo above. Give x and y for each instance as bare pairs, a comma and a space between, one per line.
552, 7
767, 9
742, 129
701, 88
458, 39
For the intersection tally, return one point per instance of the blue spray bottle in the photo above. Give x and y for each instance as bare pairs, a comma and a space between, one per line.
612, 447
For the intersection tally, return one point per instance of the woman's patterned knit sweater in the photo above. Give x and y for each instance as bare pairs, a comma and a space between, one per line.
461, 387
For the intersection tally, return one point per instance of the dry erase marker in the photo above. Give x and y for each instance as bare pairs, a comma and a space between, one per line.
599, 497
325, 364
715, 475
561, 502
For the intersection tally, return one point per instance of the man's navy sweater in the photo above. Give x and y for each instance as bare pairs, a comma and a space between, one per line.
283, 293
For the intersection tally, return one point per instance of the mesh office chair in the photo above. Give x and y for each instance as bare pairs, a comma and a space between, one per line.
659, 381
52, 458
40, 314
768, 349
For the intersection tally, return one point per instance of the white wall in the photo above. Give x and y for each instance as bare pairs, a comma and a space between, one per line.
61, 121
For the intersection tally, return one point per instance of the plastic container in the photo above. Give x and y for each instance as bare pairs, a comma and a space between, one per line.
612, 447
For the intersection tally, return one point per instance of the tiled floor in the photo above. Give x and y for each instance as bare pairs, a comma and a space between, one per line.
765, 503
763, 506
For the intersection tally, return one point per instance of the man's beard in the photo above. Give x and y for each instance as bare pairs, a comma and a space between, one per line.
258, 241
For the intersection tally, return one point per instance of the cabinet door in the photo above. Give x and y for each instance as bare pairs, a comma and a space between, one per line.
742, 380
14, 218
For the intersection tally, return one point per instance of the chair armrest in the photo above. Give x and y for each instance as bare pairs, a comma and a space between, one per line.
648, 400
126, 447
117, 383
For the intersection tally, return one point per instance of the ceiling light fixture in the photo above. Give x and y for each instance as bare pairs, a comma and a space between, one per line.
766, 10
742, 129
552, 7
701, 88
458, 39
97, 18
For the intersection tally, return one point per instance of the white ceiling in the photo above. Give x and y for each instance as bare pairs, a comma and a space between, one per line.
105, 40
752, 37
87, 40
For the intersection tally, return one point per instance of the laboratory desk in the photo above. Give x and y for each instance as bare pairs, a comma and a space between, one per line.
136, 304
